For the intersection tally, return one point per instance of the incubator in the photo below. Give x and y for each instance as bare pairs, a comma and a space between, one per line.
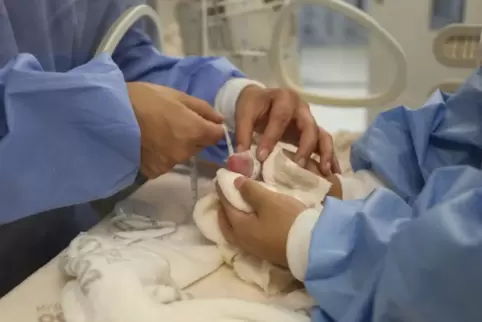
458, 46
394, 66
271, 54
220, 28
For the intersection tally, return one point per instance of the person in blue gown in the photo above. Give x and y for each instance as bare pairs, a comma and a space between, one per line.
412, 249
76, 128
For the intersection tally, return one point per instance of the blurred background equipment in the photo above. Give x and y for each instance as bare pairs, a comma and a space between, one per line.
328, 53
238, 29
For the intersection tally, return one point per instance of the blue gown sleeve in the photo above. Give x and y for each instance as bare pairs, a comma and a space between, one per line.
404, 147
379, 259
65, 138
411, 253
198, 76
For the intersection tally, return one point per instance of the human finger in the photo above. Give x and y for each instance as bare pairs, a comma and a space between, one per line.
311, 165
235, 217
205, 132
202, 108
253, 193
326, 151
280, 114
225, 226
335, 165
308, 129
211, 133
245, 126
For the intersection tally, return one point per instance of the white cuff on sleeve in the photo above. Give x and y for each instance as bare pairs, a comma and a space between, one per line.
299, 239
227, 96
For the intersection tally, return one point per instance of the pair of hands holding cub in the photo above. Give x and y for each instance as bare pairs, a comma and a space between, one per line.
264, 233
175, 126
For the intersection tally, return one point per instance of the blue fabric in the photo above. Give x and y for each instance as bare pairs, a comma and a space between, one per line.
412, 252
68, 134
71, 137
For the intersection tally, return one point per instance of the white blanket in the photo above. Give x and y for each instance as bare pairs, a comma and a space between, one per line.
38, 298
121, 277
141, 268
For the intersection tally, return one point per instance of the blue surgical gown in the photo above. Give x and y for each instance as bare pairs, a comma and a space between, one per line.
68, 134
412, 252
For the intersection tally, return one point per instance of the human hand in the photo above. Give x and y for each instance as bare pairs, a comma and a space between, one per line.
280, 114
263, 233
174, 126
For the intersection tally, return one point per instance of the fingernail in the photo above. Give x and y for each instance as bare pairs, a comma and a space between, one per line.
263, 154
239, 148
238, 182
301, 162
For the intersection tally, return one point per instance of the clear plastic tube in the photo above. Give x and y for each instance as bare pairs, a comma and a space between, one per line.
195, 170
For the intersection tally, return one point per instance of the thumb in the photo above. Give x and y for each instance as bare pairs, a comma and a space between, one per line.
205, 132
211, 133
253, 193
202, 108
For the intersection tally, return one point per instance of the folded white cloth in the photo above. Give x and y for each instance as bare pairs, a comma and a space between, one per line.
279, 174
138, 268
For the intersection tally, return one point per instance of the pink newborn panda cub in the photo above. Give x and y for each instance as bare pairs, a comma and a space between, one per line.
244, 163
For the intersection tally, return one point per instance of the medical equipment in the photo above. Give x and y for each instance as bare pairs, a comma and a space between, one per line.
410, 22
124, 23
229, 35
374, 100
458, 46
219, 27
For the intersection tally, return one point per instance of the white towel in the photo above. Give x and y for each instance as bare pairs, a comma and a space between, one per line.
137, 268
118, 276
279, 174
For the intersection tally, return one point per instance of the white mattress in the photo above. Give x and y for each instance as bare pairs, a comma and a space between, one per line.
37, 298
